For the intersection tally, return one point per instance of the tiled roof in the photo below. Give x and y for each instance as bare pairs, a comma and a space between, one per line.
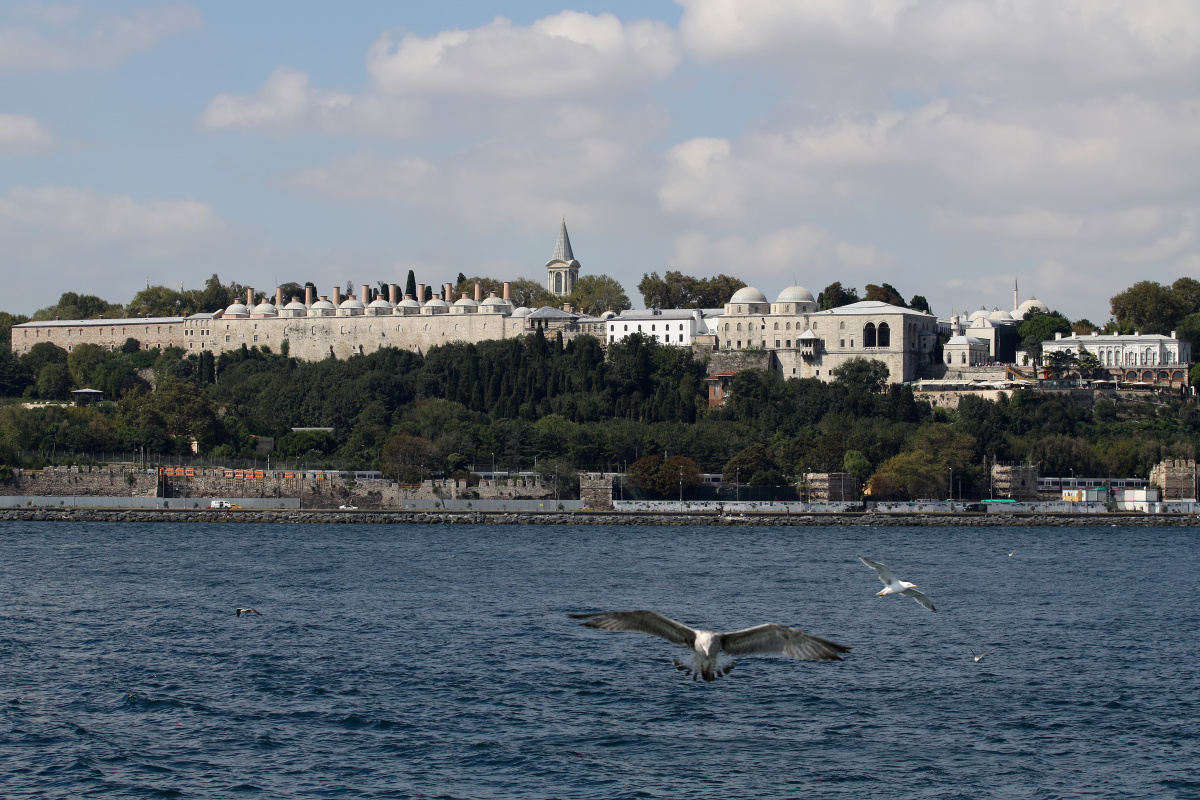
562, 248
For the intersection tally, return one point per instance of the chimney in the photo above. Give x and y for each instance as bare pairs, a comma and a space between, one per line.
448, 292
1057, 335
337, 295
278, 298
249, 297
366, 294
308, 296
421, 293
464, 295
393, 293
566, 307
507, 291
479, 297
1173, 336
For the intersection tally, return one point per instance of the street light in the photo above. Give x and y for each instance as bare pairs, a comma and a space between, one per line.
951, 491
737, 486
681, 487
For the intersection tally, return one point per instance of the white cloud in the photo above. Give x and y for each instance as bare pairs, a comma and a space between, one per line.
785, 253
110, 41
286, 104
91, 216
566, 53
984, 43
22, 135
366, 176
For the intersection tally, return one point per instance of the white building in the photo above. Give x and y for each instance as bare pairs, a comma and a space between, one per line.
1137, 358
674, 326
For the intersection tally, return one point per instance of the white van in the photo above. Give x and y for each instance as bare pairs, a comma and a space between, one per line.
220, 504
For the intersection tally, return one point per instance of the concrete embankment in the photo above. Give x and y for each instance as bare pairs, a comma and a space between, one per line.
583, 518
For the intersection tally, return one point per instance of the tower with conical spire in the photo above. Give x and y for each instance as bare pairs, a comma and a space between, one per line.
562, 270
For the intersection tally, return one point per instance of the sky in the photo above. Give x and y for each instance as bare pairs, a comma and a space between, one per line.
946, 147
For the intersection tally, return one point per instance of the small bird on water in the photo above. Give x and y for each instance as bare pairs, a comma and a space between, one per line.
979, 657
708, 646
248, 611
893, 585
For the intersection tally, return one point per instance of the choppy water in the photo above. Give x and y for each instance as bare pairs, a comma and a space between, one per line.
436, 661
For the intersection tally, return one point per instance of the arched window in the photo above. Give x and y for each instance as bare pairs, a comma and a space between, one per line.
869, 335
962, 358
739, 327
776, 326
558, 283
788, 326
885, 335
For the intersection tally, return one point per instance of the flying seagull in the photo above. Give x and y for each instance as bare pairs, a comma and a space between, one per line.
1010, 553
979, 657
893, 586
708, 646
248, 611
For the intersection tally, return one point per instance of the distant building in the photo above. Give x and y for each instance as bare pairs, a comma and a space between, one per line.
562, 270
1138, 358
674, 326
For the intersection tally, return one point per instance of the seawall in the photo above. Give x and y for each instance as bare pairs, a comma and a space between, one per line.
590, 518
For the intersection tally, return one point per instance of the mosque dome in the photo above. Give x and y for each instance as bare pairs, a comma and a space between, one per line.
521, 312
264, 308
381, 303
352, 303
982, 312
795, 294
237, 309
748, 294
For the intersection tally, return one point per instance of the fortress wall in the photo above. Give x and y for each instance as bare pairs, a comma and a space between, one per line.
82, 481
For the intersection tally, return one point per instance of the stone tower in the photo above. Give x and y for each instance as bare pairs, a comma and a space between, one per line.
562, 270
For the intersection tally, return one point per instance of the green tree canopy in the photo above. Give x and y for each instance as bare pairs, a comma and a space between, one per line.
835, 296
868, 374
531, 294
885, 294
595, 294
486, 284
663, 477
80, 306
82, 363
676, 290
1150, 307
919, 303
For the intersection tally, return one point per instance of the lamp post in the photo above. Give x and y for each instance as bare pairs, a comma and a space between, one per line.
951, 491
681, 487
737, 486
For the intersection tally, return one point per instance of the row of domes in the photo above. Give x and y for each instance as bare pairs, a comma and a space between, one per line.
792, 294
356, 306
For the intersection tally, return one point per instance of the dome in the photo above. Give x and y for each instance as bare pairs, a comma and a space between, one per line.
352, 303
408, 302
608, 315
748, 294
795, 294
466, 302
237, 309
982, 322
436, 302
982, 312
1000, 315
264, 308
1032, 304
493, 301
521, 312
381, 303
321, 305
295, 305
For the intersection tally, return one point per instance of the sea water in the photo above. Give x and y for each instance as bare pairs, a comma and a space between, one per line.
438, 661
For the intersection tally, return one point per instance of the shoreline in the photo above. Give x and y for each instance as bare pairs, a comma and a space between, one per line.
361, 517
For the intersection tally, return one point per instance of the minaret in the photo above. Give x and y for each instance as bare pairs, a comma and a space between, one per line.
1016, 297
562, 270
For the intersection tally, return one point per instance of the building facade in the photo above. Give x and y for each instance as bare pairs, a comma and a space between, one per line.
1137, 358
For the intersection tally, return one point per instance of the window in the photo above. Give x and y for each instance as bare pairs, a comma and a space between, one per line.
652, 327
841, 342
739, 327
776, 326
962, 358
227, 337
842, 325
639, 328
256, 337
681, 326
626, 327
885, 335
314, 330
788, 343
869, 335
788, 326
776, 344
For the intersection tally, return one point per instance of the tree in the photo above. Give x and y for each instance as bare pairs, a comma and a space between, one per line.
663, 477
919, 303
857, 465
80, 306
410, 286
885, 294
676, 290
531, 294
714, 292
485, 284
1089, 365
214, 296
160, 301
82, 363
755, 465
1060, 363
290, 290
868, 374
408, 459
1150, 307
53, 381
595, 294
834, 296
1188, 329
1038, 328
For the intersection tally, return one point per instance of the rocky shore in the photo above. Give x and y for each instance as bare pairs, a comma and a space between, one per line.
584, 518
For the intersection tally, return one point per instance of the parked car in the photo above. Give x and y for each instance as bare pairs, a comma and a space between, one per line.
221, 504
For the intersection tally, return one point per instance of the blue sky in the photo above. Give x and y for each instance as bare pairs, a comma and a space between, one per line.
946, 147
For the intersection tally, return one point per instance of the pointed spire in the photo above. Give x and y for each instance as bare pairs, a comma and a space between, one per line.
562, 248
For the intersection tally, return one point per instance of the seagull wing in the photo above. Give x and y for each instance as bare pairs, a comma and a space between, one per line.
919, 597
649, 622
885, 574
783, 640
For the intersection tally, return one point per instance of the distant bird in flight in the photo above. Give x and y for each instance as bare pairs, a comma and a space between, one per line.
247, 611
708, 646
979, 657
1010, 554
892, 585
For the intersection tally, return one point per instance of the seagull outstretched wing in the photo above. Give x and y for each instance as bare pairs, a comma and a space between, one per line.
919, 597
885, 574
649, 622
783, 640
